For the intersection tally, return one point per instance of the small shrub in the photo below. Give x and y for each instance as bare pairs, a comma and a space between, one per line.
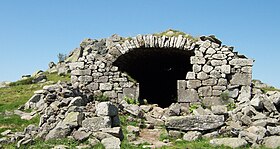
224, 96
61, 57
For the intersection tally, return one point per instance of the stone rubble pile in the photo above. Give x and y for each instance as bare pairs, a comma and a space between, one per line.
255, 122
68, 113
62, 67
258, 120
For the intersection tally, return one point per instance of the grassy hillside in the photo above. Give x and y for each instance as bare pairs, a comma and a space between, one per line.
13, 97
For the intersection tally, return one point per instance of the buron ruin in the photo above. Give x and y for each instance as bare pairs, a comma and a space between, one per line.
163, 69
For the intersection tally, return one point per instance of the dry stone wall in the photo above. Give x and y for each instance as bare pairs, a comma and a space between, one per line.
216, 69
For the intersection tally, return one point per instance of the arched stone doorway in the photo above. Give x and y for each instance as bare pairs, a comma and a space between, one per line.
157, 71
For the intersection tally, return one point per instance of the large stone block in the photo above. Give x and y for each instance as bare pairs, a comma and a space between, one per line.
195, 122
75, 65
196, 68
202, 76
105, 86
222, 81
189, 95
192, 84
211, 82
197, 60
81, 72
219, 56
212, 101
245, 93
106, 109
110, 94
205, 91
241, 79
272, 142
190, 76
96, 123
247, 69
218, 62
231, 142
207, 68
225, 69
73, 119
93, 86
58, 133
115, 131
210, 51
181, 84
85, 78
241, 62
111, 143
130, 93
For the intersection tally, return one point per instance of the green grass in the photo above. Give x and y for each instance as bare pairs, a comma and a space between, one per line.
176, 33
12, 97
193, 107
22, 82
15, 123
51, 143
199, 144
266, 89
54, 77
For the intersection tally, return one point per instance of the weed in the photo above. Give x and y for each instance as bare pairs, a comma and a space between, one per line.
231, 106
131, 100
193, 107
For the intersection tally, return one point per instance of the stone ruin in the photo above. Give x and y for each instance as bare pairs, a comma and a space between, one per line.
163, 69
195, 87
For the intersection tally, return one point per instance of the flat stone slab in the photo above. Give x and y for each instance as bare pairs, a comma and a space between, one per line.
231, 142
195, 122
272, 142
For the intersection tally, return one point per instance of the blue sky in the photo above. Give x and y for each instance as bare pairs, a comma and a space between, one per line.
33, 32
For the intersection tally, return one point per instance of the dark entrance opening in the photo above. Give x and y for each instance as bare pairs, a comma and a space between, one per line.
157, 71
